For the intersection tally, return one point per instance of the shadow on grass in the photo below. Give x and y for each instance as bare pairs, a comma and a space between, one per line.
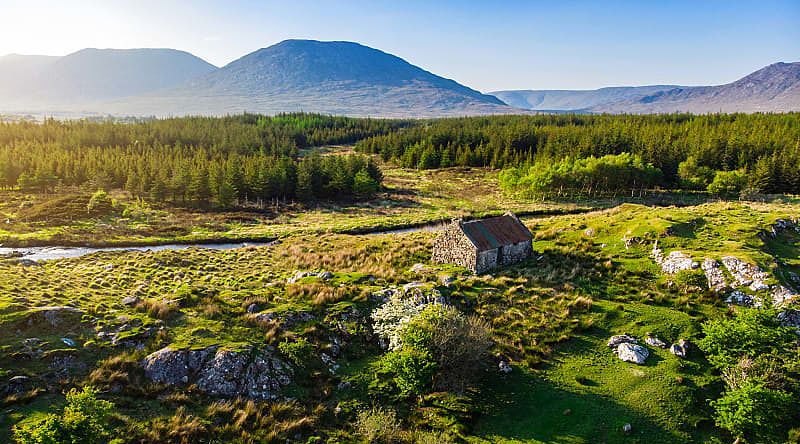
524, 408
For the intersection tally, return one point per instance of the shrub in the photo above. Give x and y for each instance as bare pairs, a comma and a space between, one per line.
364, 185
751, 332
411, 370
99, 204
84, 420
378, 425
298, 351
751, 411
727, 183
459, 344
690, 279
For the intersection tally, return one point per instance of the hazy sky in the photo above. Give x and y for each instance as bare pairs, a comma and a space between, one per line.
487, 45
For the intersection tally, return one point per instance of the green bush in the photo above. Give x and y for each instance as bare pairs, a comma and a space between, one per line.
84, 420
100, 203
687, 279
298, 351
411, 370
727, 183
752, 332
378, 426
459, 344
753, 411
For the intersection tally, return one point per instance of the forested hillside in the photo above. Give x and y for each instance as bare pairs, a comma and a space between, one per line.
199, 161
687, 150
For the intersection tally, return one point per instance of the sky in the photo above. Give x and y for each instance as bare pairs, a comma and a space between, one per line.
487, 45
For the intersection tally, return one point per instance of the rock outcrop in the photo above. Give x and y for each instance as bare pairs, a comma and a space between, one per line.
629, 352
714, 275
251, 373
674, 262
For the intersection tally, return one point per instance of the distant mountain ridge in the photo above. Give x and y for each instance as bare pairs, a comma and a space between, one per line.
92, 75
774, 88
574, 100
336, 78
330, 77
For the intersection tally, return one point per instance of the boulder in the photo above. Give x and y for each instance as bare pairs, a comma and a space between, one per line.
256, 374
627, 429
629, 352
654, 341
714, 275
131, 300
504, 367
740, 298
617, 340
746, 274
781, 295
325, 275
680, 349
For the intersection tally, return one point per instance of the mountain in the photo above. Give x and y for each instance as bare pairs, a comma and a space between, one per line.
775, 88
574, 100
329, 77
91, 75
17, 70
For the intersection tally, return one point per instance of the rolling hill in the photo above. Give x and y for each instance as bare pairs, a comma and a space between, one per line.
329, 77
91, 75
775, 88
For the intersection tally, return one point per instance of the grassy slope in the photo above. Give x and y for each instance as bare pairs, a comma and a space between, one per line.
412, 198
551, 317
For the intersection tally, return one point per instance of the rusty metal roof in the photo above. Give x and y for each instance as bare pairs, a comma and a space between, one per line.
488, 234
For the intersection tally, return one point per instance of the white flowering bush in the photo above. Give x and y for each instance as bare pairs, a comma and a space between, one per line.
389, 318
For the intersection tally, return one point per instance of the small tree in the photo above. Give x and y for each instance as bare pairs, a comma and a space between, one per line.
364, 185
84, 420
752, 410
727, 183
100, 203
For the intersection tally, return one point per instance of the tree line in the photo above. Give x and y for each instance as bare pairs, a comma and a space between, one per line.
199, 161
688, 150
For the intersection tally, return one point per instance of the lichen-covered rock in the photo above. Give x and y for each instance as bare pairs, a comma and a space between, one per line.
674, 262
680, 349
740, 298
629, 352
782, 295
790, 318
618, 340
167, 366
714, 275
746, 274
654, 341
221, 376
252, 373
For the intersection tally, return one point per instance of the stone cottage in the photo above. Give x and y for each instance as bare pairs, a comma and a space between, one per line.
485, 244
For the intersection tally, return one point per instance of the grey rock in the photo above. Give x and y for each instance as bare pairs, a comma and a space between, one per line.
617, 340
740, 298
131, 300
325, 275
680, 349
629, 352
627, 429
714, 275
504, 367
221, 372
654, 341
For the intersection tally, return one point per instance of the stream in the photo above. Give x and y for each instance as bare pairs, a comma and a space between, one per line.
57, 252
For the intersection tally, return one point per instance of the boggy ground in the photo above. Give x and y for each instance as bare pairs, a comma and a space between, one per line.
411, 198
550, 317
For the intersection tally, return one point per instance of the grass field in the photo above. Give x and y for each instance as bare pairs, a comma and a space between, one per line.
550, 316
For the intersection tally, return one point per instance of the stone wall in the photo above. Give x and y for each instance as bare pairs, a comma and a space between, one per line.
487, 260
453, 247
517, 252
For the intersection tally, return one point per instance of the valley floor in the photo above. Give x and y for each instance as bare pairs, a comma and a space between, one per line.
550, 316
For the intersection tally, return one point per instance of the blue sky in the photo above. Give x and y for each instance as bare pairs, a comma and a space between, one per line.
487, 45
